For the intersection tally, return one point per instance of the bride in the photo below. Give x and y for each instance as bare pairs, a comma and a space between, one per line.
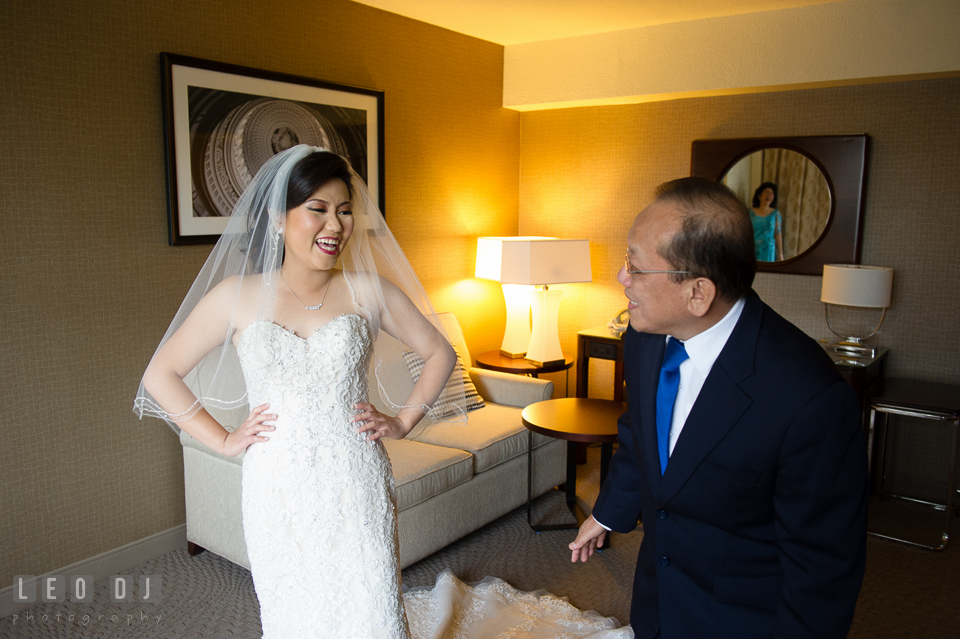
272, 323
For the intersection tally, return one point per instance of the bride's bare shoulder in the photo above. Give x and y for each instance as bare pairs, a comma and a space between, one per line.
370, 290
243, 285
370, 282
236, 295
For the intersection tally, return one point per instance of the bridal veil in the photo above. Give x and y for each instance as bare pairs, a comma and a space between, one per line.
252, 245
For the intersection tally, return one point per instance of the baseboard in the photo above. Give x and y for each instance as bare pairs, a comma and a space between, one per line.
112, 562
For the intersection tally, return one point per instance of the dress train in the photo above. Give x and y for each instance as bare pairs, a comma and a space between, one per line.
493, 609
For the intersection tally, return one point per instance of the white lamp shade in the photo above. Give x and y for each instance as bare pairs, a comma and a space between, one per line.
854, 285
489, 257
533, 260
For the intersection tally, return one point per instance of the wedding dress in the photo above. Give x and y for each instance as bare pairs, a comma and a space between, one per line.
319, 506
318, 498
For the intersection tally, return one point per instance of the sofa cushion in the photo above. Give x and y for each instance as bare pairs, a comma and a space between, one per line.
493, 435
422, 471
458, 385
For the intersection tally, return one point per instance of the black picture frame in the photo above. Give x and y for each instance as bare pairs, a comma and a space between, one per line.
843, 161
222, 121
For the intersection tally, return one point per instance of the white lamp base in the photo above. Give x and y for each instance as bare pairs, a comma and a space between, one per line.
516, 335
544, 348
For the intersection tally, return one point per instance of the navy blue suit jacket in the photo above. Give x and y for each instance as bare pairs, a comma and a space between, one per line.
757, 528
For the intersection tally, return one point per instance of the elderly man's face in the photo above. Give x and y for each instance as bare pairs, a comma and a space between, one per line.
657, 304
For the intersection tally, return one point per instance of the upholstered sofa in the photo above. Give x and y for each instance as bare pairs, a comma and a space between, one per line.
451, 480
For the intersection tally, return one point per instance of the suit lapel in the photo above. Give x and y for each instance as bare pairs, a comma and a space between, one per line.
719, 405
652, 349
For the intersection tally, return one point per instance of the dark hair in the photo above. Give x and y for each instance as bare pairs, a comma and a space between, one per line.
760, 189
307, 175
715, 239
312, 172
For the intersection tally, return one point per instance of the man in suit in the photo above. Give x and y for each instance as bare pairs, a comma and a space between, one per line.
741, 449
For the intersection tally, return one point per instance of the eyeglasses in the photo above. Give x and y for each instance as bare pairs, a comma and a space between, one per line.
628, 267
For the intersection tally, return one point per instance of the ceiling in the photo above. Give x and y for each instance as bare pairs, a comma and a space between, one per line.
518, 21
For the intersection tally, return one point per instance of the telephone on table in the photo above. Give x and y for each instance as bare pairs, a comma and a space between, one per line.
618, 325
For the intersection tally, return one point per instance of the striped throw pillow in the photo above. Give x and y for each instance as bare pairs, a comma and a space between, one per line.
445, 405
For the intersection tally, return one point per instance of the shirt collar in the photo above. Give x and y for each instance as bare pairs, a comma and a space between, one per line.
704, 348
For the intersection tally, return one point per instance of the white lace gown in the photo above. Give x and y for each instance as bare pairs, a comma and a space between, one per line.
319, 511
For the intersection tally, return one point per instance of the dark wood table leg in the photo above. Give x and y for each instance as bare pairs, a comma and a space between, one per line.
581, 454
583, 368
572, 478
606, 452
529, 475
583, 385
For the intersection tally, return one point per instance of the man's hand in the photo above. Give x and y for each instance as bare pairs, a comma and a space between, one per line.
590, 536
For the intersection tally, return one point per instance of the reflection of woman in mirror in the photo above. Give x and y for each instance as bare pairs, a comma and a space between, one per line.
767, 224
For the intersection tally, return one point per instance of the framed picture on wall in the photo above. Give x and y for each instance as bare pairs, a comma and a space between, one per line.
222, 122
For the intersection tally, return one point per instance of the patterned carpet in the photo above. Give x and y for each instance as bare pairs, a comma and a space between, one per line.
907, 592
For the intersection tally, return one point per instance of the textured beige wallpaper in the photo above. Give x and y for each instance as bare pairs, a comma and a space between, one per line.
587, 172
90, 281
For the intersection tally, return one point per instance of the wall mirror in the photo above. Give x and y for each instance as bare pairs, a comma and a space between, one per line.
818, 183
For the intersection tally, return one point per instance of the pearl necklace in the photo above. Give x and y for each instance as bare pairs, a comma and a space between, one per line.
315, 307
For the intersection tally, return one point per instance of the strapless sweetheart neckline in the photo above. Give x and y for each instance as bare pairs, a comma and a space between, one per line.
294, 333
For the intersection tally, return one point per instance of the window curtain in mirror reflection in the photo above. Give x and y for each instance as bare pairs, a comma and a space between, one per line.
803, 198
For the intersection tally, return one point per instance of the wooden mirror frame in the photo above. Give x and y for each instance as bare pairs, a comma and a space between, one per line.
841, 158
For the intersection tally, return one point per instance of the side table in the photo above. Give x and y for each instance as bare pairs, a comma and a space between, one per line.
599, 343
574, 419
861, 373
919, 400
494, 361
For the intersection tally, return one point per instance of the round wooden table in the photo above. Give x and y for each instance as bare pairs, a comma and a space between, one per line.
576, 420
495, 361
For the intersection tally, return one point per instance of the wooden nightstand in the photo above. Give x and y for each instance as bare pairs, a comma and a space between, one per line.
860, 372
599, 343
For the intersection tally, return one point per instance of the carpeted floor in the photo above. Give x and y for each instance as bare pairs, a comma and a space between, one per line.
907, 592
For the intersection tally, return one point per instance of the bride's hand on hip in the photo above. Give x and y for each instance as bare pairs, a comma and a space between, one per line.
376, 425
249, 432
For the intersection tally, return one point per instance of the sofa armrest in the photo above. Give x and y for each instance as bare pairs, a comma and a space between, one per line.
510, 390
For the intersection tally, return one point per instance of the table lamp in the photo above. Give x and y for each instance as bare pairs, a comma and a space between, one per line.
860, 286
490, 266
519, 263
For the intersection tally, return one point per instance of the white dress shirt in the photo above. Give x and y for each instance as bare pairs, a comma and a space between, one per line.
702, 351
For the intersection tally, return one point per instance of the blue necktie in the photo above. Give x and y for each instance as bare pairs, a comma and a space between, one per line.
666, 396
